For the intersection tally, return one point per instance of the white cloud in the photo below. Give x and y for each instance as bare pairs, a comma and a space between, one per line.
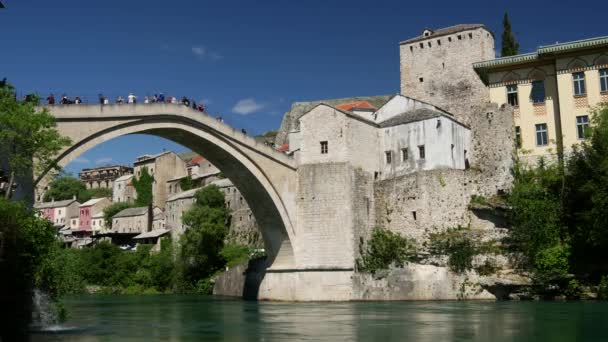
103, 160
81, 160
247, 106
202, 53
199, 51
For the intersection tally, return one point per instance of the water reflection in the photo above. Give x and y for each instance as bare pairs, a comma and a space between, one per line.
195, 318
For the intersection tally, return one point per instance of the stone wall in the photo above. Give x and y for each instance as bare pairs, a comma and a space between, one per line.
443, 74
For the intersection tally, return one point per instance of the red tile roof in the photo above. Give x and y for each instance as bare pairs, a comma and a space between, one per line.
283, 148
195, 160
360, 104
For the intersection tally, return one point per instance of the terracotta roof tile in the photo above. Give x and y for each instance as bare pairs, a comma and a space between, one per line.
283, 148
360, 104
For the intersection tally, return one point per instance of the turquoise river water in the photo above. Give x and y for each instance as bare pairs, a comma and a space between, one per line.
199, 318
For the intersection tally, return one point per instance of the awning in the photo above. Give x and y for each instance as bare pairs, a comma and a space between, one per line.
152, 234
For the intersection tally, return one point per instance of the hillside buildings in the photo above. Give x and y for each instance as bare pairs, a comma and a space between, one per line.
552, 90
104, 176
163, 167
123, 190
59, 212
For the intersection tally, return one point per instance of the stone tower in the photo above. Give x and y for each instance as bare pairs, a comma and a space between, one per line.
436, 67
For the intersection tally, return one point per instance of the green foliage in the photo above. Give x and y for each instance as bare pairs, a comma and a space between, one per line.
100, 192
202, 242
457, 245
551, 263
66, 187
383, 249
27, 135
143, 187
602, 289
60, 271
573, 289
186, 183
25, 243
234, 254
510, 46
488, 267
477, 199
536, 213
112, 210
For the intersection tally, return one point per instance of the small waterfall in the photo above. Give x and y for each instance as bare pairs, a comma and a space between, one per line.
44, 314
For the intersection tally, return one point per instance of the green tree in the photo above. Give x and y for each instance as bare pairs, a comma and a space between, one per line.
100, 192
537, 213
112, 210
25, 242
510, 46
586, 197
66, 187
27, 134
202, 242
143, 187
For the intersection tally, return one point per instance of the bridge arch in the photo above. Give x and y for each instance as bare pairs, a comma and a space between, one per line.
264, 177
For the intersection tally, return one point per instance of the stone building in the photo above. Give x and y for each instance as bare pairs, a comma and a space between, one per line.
436, 67
552, 91
123, 190
98, 223
243, 228
200, 171
163, 167
104, 176
58, 212
133, 221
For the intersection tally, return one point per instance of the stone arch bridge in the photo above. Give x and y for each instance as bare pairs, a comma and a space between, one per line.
298, 268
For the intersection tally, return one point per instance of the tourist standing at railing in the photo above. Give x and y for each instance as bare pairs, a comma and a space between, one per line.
77, 100
161, 97
193, 105
102, 99
120, 100
173, 100
50, 100
131, 98
146, 100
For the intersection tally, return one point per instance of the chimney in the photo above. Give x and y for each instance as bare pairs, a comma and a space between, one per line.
74, 197
52, 199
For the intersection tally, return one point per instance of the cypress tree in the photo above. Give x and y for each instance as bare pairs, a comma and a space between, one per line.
510, 47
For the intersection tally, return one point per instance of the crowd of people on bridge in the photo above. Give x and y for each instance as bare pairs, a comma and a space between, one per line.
132, 99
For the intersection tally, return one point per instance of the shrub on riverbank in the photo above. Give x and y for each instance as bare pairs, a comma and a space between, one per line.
383, 249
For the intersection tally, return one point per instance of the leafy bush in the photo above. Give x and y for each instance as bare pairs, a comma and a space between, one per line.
551, 263
234, 254
457, 245
143, 188
487, 268
383, 249
574, 289
602, 289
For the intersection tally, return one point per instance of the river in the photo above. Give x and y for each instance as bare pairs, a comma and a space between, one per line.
199, 318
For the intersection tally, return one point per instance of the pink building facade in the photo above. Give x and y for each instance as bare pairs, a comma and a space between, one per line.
89, 209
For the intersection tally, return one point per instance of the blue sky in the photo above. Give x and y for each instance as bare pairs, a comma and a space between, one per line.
262, 55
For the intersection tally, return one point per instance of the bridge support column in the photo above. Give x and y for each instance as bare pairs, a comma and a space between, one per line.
307, 285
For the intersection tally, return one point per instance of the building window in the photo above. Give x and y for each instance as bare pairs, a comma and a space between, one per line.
604, 80
404, 154
389, 157
541, 134
582, 123
578, 78
518, 136
421, 152
538, 92
324, 147
512, 95
422, 45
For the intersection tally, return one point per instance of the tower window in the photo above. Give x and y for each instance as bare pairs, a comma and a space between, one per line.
404, 154
389, 157
604, 80
324, 148
421, 152
439, 42
518, 136
459, 37
470, 35
422, 45
449, 39
411, 48
421, 79
429, 44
